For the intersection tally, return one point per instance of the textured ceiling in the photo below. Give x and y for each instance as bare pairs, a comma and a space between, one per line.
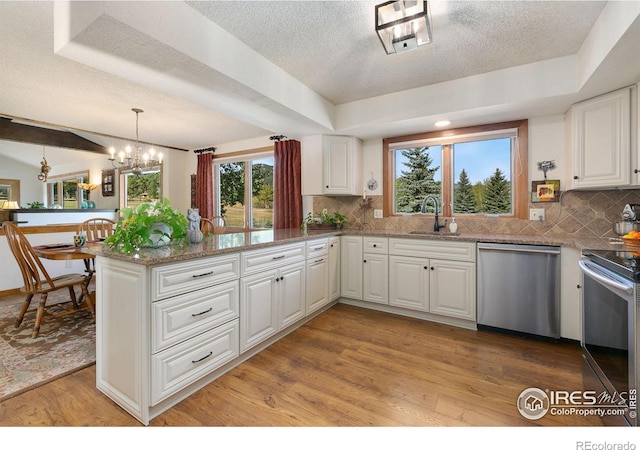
331, 46
138, 54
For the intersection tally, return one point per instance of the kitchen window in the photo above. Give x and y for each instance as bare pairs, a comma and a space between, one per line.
244, 189
475, 171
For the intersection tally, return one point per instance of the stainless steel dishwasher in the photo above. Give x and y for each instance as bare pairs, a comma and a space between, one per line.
519, 288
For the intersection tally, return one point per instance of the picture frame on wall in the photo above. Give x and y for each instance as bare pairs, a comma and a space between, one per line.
545, 191
108, 179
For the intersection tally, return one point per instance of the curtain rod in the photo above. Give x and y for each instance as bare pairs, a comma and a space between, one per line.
278, 138
205, 150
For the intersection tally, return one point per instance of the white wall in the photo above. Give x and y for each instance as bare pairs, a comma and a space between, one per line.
30, 188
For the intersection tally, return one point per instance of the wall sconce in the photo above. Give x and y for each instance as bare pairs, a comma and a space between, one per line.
403, 25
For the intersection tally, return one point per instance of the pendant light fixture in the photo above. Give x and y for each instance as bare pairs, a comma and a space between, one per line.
133, 159
44, 168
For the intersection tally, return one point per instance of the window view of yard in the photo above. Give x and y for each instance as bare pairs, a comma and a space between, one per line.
142, 188
245, 193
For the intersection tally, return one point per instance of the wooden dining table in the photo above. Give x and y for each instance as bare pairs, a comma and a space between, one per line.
66, 252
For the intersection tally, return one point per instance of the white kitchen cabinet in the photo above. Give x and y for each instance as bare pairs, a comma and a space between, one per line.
351, 267
375, 269
317, 274
452, 289
270, 301
601, 141
409, 282
342, 165
334, 268
375, 286
432, 276
162, 329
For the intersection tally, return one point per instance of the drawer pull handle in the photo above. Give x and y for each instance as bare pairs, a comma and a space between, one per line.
202, 359
201, 313
202, 274
278, 257
319, 260
319, 248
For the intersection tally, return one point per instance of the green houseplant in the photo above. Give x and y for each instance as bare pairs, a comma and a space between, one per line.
323, 220
138, 227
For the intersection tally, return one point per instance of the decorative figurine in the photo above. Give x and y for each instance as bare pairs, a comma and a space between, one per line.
193, 232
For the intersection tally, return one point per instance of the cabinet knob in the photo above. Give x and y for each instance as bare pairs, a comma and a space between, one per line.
426, 267
375, 245
579, 287
636, 170
281, 278
327, 186
575, 177
433, 268
365, 260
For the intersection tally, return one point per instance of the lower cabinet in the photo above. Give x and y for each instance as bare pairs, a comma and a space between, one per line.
375, 270
409, 282
452, 289
351, 267
269, 302
334, 268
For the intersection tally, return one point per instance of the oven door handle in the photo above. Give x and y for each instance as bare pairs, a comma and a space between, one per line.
612, 283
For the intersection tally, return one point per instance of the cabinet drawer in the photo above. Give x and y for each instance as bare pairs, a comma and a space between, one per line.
180, 365
255, 261
179, 318
179, 278
376, 245
447, 250
317, 248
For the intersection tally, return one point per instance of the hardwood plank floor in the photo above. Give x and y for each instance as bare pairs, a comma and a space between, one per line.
348, 367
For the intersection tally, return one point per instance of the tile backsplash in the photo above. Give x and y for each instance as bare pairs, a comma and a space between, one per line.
588, 214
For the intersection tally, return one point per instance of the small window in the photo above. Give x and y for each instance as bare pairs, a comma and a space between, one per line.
143, 188
63, 190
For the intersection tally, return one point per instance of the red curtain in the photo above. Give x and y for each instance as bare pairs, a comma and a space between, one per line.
204, 185
287, 185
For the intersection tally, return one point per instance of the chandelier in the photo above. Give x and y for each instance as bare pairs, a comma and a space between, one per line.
44, 168
134, 159
403, 25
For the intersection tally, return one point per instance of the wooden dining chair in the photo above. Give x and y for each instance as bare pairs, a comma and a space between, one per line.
215, 225
37, 280
96, 229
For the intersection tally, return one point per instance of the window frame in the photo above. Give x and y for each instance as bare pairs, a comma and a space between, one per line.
82, 176
122, 177
246, 156
520, 171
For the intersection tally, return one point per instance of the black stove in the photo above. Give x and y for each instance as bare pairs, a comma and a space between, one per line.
625, 263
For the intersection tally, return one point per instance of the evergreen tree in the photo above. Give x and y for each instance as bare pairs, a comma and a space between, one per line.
416, 182
498, 194
464, 202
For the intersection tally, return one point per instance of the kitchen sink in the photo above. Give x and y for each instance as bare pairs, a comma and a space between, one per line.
435, 233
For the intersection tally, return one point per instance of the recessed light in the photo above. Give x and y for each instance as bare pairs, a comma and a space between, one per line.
442, 123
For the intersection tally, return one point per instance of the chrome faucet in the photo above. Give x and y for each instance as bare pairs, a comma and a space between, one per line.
436, 224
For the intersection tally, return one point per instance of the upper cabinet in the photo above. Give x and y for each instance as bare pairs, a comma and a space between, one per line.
342, 165
601, 137
341, 160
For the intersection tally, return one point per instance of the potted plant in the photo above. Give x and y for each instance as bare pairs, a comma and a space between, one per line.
323, 220
149, 225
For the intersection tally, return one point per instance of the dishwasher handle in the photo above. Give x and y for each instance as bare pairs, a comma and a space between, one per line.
520, 248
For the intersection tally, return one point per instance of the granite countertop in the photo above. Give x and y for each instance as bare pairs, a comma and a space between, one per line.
236, 242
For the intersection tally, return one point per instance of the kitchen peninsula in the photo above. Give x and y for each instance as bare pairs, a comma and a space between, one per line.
172, 319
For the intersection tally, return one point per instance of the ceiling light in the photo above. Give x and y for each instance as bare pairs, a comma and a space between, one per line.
44, 168
442, 123
131, 159
403, 25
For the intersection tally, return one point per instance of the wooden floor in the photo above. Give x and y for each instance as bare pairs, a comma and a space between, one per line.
348, 367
